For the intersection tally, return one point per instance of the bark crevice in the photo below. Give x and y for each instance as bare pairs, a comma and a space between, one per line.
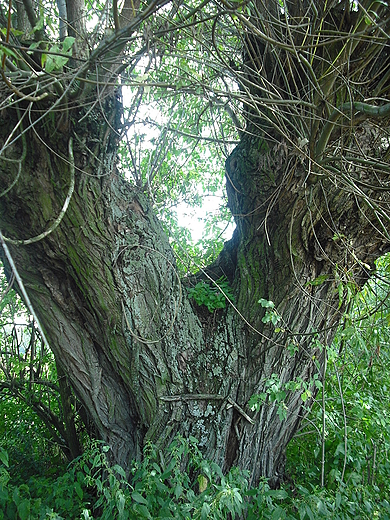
143, 362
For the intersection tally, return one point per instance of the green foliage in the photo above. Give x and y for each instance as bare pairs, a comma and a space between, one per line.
273, 390
178, 483
32, 428
40, 497
352, 449
58, 55
175, 165
179, 156
213, 296
276, 392
271, 315
165, 489
28, 442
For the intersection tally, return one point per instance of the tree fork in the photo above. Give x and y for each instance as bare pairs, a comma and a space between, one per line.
143, 359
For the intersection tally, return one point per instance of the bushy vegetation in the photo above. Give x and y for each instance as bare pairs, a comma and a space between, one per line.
178, 484
337, 464
303, 89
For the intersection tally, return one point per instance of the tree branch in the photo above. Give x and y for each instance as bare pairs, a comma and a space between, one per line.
364, 109
61, 4
32, 18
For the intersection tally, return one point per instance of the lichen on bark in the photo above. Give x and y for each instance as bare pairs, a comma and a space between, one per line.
142, 360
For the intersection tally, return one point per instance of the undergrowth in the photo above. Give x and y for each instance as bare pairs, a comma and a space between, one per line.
178, 484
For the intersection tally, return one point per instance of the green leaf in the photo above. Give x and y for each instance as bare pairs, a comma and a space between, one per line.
309, 512
340, 289
204, 514
266, 304
306, 395
24, 509
256, 401
13, 31
39, 25
96, 461
8, 52
142, 510
67, 43
282, 411
4, 457
79, 490
119, 470
279, 494
56, 62
178, 491
292, 349
278, 514
137, 497
120, 502
319, 280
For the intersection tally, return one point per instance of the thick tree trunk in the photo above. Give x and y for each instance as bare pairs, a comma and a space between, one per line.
144, 362
300, 247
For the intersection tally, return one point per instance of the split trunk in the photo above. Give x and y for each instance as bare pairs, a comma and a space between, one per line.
145, 361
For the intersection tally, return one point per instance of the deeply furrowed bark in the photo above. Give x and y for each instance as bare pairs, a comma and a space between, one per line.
143, 361
298, 243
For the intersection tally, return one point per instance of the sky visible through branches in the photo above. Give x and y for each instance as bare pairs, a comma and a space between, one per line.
146, 135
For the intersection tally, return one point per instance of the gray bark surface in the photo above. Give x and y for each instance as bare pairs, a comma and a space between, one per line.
143, 359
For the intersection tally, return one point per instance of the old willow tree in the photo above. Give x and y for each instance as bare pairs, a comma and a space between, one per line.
306, 84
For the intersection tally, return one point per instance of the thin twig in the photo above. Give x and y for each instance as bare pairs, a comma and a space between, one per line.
323, 435
61, 215
345, 424
22, 288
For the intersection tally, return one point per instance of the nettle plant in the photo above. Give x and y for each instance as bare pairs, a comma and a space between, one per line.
271, 314
212, 295
276, 392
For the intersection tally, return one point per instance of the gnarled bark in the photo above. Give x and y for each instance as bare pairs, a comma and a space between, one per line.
145, 362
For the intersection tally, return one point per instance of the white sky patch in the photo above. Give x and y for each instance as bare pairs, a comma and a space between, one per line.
194, 219
191, 217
